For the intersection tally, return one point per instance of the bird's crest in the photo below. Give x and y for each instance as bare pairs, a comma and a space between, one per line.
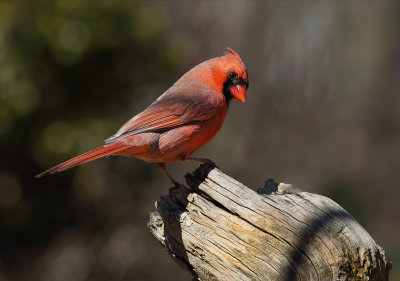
229, 51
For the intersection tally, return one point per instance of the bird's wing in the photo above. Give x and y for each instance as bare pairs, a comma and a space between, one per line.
174, 108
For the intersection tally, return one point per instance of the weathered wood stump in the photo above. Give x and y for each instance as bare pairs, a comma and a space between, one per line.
219, 229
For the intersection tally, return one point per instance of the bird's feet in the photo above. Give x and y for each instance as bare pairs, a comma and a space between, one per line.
175, 188
210, 163
203, 160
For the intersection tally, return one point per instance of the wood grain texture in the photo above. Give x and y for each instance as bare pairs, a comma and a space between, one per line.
219, 229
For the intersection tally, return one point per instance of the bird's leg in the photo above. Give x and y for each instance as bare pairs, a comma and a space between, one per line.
163, 169
203, 160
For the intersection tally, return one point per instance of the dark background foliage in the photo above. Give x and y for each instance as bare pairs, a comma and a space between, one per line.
322, 113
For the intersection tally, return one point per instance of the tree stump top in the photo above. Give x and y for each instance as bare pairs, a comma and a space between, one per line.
219, 229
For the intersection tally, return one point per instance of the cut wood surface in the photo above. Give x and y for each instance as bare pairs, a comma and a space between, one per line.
219, 229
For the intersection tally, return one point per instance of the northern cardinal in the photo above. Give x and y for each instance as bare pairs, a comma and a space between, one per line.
181, 120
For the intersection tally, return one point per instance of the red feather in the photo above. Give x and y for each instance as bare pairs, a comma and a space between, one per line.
85, 157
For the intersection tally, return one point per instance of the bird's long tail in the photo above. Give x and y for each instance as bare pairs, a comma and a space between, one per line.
85, 157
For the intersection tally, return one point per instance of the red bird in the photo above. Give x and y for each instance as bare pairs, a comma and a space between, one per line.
181, 120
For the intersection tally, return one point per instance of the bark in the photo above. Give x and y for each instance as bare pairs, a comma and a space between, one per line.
219, 229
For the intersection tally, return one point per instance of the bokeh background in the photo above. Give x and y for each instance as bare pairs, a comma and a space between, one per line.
323, 113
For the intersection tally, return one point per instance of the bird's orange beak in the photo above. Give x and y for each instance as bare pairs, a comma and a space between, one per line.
238, 92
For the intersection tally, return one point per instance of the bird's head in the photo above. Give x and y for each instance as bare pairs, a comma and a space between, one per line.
231, 73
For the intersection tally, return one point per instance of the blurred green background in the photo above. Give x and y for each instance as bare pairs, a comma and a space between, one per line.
323, 113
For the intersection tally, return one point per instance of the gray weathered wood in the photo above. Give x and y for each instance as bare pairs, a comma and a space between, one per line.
219, 229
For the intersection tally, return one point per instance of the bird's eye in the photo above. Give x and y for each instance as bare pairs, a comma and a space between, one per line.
232, 75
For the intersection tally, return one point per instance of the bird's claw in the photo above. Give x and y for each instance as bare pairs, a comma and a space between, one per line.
210, 163
174, 188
